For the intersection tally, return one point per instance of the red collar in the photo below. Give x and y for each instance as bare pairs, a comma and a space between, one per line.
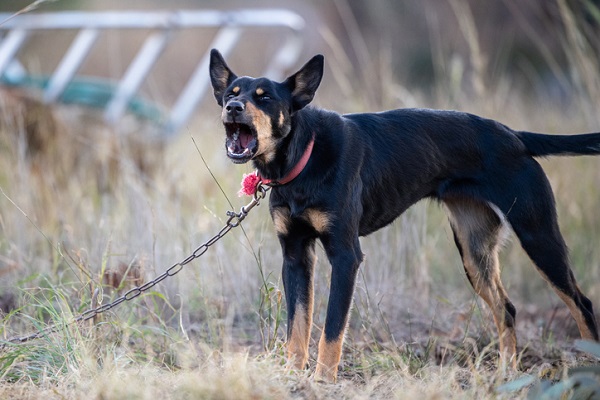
296, 170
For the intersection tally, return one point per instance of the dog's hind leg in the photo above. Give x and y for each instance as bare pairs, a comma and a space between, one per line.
533, 218
477, 233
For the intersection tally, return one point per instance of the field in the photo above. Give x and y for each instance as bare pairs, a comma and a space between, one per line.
86, 214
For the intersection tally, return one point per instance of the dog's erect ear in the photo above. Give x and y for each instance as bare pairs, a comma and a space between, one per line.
220, 75
304, 83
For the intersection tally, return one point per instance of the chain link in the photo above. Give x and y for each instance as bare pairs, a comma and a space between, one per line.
234, 220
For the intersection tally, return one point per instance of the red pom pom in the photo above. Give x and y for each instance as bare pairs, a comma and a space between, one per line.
249, 184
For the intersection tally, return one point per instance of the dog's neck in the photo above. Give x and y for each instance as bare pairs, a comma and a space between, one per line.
296, 170
292, 155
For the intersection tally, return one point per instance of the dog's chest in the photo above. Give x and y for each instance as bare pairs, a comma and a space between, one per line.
292, 217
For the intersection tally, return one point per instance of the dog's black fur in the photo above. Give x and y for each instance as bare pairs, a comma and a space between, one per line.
366, 169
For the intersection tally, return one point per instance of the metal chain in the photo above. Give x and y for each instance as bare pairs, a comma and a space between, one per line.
234, 220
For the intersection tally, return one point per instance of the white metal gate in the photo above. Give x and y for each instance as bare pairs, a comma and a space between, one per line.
120, 97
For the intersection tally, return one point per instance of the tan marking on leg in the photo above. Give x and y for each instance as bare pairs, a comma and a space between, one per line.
330, 354
496, 299
298, 342
260, 91
584, 330
490, 289
297, 346
479, 230
494, 295
319, 220
281, 220
264, 132
236, 90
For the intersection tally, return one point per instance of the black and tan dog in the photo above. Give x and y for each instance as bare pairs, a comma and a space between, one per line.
338, 177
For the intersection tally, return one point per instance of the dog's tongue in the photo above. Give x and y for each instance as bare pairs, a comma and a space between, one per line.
245, 139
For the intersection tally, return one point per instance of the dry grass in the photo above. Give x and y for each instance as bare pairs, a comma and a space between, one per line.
86, 210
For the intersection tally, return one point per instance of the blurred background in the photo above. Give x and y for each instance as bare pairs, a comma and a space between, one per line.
390, 52
90, 206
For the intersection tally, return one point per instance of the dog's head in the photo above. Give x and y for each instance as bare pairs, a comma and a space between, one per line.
257, 112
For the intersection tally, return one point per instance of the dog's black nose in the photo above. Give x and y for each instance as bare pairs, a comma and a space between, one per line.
234, 108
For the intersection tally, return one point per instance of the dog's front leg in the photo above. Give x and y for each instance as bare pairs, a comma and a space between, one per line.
345, 258
298, 265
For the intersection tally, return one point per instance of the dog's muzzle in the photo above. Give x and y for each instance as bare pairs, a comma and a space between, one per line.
241, 142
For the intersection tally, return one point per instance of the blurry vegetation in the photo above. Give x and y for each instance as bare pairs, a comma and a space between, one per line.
87, 211
581, 382
531, 42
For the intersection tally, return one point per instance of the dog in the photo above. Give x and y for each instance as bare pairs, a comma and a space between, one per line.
338, 177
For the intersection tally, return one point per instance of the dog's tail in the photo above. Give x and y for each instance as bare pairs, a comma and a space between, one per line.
542, 145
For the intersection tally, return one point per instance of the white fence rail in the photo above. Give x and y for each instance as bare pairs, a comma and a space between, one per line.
231, 24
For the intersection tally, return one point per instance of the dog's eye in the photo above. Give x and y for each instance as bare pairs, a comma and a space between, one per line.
230, 96
264, 97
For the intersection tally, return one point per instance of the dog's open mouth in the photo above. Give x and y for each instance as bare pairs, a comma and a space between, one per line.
241, 142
